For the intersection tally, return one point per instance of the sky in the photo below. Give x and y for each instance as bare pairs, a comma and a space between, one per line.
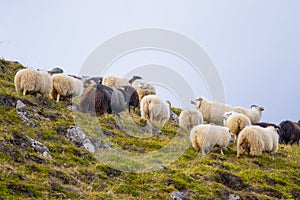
253, 44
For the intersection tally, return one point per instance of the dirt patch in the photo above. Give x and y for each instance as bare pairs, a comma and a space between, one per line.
295, 193
232, 181
267, 191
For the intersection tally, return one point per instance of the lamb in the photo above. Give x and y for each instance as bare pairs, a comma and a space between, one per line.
66, 86
212, 111
190, 118
236, 122
255, 140
205, 136
114, 81
254, 113
155, 109
290, 132
33, 81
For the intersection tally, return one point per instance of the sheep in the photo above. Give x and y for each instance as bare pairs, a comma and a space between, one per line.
133, 97
154, 109
114, 81
56, 70
66, 86
255, 140
254, 113
290, 132
143, 88
236, 122
87, 103
33, 81
212, 111
190, 118
103, 96
205, 136
266, 124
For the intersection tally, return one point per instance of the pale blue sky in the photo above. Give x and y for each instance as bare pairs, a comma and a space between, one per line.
254, 44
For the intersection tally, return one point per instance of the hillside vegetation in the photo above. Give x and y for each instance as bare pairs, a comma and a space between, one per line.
72, 172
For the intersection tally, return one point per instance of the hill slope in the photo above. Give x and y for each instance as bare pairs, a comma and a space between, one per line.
73, 172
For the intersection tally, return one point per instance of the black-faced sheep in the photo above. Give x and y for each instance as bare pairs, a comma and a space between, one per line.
212, 111
290, 132
190, 118
33, 81
254, 140
236, 122
66, 86
155, 109
205, 136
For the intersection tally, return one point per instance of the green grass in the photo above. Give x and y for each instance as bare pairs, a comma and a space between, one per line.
75, 173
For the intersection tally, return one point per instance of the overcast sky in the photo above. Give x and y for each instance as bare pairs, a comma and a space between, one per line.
254, 44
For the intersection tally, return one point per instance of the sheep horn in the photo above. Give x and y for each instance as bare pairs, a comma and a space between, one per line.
253, 106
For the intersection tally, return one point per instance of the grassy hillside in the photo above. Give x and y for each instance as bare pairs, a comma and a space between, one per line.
74, 173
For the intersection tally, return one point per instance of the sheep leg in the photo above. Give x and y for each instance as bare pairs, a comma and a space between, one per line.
24, 92
203, 152
222, 151
57, 99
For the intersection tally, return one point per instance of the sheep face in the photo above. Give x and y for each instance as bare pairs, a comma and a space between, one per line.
256, 107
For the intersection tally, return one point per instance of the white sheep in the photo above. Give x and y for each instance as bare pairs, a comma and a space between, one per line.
66, 86
212, 111
205, 136
190, 118
254, 113
155, 109
114, 81
236, 122
33, 81
254, 140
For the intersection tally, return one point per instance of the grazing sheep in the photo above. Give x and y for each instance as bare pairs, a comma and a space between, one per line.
205, 136
33, 81
190, 118
114, 81
66, 86
142, 92
90, 81
266, 124
255, 140
254, 113
290, 132
103, 96
236, 122
87, 103
155, 109
213, 111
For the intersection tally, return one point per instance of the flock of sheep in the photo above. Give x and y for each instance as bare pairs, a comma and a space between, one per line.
210, 123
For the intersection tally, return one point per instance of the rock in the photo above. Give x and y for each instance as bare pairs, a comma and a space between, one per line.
39, 147
178, 196
76, 135
88, 145
6, 100
101, 145
27, 121
21, 106
149, 128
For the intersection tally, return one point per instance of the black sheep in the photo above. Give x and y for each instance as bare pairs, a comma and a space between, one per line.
103, 95
290, 132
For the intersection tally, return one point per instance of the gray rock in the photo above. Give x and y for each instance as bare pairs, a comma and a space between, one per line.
149, 128
178, 196
76, 135
88, 145
26, 120
39, 147
174, 117
21, 106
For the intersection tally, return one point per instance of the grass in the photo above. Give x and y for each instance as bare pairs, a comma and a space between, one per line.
75, 173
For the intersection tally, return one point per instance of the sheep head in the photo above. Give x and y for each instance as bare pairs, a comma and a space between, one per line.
258, 107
